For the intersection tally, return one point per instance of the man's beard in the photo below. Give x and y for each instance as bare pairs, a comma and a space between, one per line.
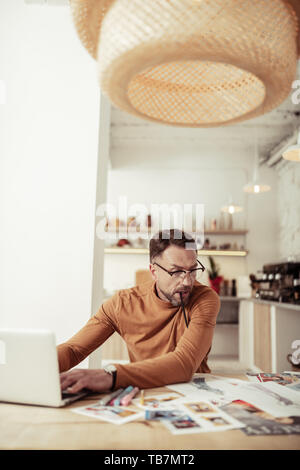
173, 300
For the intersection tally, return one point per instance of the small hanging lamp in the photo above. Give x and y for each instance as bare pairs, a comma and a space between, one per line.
193, 63
293, 152
255, 186
231, 208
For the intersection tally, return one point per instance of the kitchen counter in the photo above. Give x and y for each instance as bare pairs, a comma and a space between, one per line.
261, 301
282, 305
268, 332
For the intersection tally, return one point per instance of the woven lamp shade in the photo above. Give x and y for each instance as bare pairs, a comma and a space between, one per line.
256, 188
194, 63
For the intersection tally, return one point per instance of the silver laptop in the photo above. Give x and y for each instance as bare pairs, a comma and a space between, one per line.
29, 371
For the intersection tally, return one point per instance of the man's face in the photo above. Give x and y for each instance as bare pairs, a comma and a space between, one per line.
168, 287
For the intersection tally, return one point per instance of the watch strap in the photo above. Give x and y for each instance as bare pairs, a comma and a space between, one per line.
114, 377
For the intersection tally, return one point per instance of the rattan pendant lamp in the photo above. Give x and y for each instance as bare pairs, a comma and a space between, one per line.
194, 63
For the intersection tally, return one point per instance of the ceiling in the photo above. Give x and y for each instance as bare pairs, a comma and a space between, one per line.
137, 141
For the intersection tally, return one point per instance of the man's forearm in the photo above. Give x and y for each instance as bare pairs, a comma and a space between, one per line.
67, 357
97, 330
143, 375
173, 367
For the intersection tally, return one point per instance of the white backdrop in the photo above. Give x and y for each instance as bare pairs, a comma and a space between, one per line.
48, 154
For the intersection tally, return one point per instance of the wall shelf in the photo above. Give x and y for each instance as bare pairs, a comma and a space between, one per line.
130, 231
226, 232
204, 252
145, 251
240, 253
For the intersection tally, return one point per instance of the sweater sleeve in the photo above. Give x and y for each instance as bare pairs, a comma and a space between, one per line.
96, 331
180, 364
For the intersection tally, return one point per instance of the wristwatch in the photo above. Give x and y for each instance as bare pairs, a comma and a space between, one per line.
111, 370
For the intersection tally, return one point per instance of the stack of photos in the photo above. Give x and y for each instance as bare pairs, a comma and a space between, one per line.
210, 387
111, 414
268, 404
158, 401
258, 422
288, 379
192, 416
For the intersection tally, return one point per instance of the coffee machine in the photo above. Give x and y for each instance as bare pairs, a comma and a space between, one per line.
280, 283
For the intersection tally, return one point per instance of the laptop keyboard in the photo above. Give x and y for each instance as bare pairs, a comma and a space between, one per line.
65, 394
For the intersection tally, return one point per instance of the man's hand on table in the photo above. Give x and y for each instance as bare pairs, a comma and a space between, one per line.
94, 380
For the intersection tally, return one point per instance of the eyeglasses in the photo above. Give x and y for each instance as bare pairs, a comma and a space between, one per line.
182, 273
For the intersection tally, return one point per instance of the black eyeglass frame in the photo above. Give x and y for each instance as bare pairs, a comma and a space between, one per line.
171, 273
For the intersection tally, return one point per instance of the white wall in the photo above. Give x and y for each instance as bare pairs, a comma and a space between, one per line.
48, 145
210, 185
289, 211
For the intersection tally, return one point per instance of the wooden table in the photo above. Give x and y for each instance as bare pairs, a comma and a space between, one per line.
39, 428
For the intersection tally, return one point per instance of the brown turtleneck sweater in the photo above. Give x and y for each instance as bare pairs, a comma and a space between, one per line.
162, 350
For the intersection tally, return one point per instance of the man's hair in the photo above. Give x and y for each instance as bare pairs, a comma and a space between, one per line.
165, 238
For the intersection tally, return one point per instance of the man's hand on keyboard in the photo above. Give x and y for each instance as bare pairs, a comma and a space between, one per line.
77, 379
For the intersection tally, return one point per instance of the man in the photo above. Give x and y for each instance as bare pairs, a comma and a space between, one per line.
168, 339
